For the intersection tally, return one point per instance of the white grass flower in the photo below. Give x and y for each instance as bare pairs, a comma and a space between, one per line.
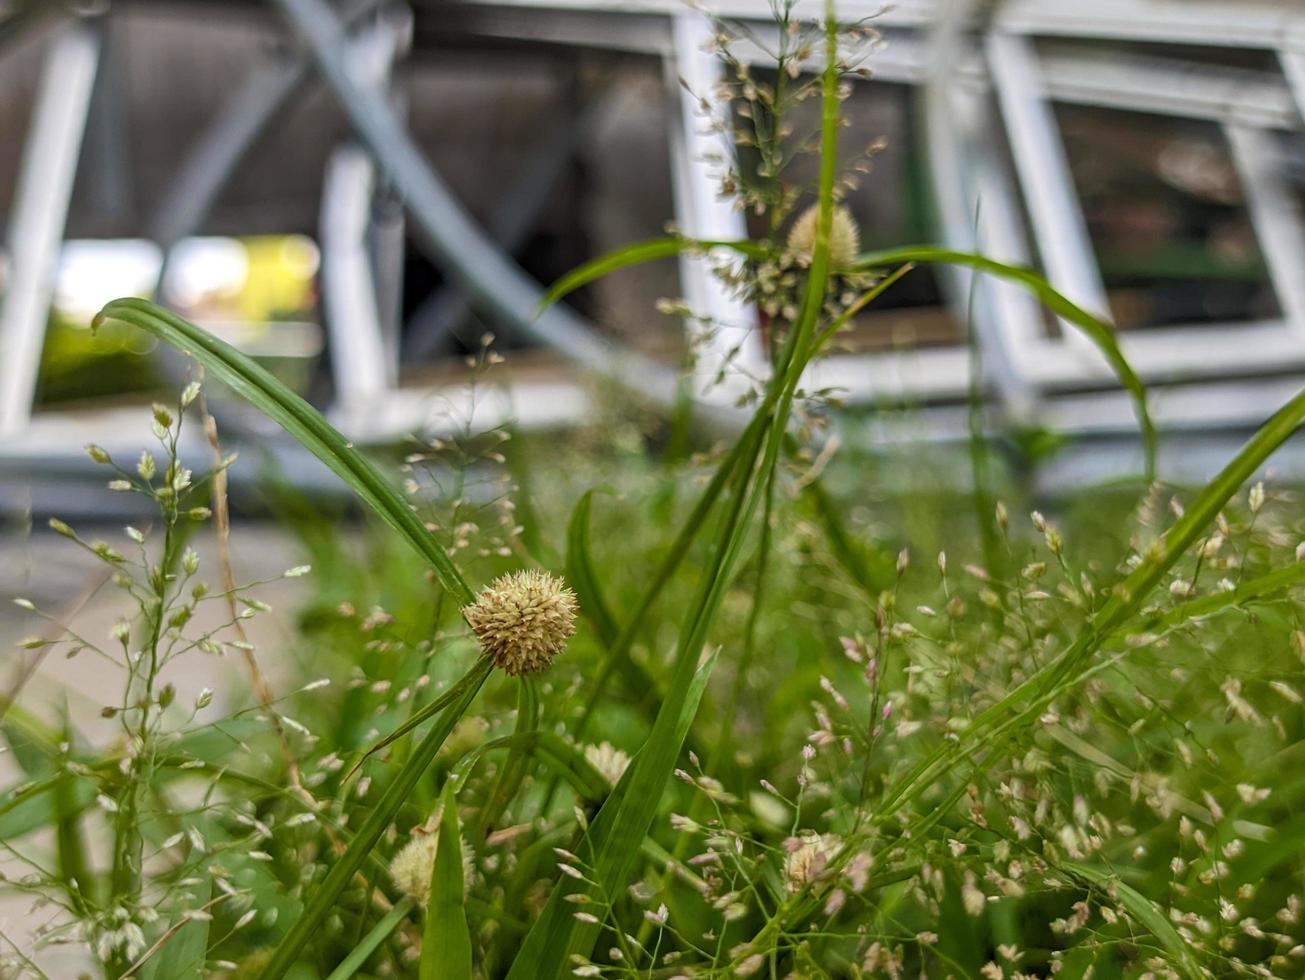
610, 761
808, 857
523, 620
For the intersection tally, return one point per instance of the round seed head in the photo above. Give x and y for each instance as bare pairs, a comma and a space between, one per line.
523, 620
844, 237
413, 866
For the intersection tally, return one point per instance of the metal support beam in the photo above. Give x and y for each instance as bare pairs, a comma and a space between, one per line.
1292, 58
45, 184
700, 155
190, 195
975, 207
1275, 213
1045, 177
453, 240
514, 217
362, 367
359, 365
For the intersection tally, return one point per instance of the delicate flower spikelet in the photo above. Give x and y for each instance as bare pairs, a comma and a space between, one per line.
523, 620
844, 237
608, 760
807, 858
413, 866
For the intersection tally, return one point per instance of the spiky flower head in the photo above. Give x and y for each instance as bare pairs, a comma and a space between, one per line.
844, 237
523, 620
413, 866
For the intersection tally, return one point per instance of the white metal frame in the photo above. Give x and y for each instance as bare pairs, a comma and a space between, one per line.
41, 200
1024, 59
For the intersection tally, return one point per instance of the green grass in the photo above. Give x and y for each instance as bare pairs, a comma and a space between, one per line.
832, 719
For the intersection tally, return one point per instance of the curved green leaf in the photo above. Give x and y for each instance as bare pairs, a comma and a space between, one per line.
636, 254
1145, 912
1095, 329
446, 942
566, 760
322, 899
581, 576
254, 384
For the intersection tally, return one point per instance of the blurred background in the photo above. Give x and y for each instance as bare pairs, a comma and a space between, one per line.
354, 192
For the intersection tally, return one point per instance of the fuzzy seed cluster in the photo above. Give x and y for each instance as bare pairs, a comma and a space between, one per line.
844, 237
413, 866
523, 620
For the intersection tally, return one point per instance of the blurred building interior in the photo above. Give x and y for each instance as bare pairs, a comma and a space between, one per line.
355, 191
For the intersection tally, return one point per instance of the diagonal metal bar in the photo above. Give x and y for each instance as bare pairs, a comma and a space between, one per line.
513, 219
462, 249
208, 166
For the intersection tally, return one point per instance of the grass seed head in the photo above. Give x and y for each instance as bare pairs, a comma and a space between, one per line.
844, 237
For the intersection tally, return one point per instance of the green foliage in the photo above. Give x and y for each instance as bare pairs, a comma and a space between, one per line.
446, 942
780, 744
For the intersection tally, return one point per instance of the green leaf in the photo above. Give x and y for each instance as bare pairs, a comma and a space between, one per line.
369, 943
636, 254
581, 576
1260, 587
550, 749
1095, 329
74, 870
1019, 706
612, 843
513, 773
1145, 912
254, 384
446, 942
322, 898
184, 946
22, 809
416, 720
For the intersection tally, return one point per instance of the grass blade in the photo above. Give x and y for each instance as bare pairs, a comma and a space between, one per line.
446, 942
581, 576
371, 942
74, 869
557, 934
323, 898
635, 254
181, 953
513, 773
1095, 329
550, 749
1260, 587
254, 384
1126, 599
1143, 910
